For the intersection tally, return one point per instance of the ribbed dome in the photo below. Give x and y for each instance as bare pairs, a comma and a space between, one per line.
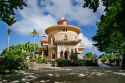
62, 25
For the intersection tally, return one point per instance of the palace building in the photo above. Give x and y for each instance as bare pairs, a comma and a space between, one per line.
62, 39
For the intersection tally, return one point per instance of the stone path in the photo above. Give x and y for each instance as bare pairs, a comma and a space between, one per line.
66, 75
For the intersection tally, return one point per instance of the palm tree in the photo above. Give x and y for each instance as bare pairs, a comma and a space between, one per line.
8, 38
10, 22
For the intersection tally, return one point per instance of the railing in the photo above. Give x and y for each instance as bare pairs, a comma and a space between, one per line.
68, 42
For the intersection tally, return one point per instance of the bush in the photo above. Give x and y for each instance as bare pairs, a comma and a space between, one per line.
15, 57
40, 59
81, 62
15, 64
62, 62
77, 63
12, 64
90, 63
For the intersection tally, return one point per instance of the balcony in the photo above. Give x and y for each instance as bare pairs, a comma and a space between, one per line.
66, 42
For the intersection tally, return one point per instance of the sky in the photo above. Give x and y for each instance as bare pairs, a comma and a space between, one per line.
40, 14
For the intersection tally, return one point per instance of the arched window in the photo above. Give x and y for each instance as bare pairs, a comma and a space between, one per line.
61, 54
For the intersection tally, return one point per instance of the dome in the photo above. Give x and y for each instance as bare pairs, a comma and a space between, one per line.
62, 21
62, 25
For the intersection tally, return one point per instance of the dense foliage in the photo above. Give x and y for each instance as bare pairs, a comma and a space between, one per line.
92, 4
40, 59
20, 49
110, 59
90, 59
7, 10
89, 56
16, 57
110, 36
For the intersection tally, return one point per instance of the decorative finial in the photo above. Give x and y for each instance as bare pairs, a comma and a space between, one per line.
62, 21
62, 18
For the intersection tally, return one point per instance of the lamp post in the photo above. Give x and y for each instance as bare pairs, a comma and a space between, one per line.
34, 33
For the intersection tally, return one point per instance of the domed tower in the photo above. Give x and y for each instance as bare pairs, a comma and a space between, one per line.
62, 39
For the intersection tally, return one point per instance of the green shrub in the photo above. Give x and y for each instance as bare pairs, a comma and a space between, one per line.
77, 63
15, 58
62, 62
10, 63
90, 63
81, 63
40, 59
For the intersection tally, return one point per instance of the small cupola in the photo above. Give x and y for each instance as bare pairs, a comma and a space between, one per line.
62, 21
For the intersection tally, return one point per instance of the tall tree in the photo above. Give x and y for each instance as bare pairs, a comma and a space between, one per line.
111, 29
92, 4
110, 35
7, 10
7, 13
8, 37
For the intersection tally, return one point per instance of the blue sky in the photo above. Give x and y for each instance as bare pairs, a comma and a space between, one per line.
39, 15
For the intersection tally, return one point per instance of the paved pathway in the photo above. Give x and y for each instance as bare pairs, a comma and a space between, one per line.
65, 75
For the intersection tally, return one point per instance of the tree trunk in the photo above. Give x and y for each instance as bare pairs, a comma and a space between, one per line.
8, 41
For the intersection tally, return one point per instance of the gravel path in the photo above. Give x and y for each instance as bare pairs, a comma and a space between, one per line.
66, 75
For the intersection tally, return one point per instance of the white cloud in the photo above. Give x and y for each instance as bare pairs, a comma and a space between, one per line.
33, 17
65, 8
86, 43
39, 23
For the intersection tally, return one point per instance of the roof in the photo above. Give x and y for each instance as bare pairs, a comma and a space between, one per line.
62, 27
44, 41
